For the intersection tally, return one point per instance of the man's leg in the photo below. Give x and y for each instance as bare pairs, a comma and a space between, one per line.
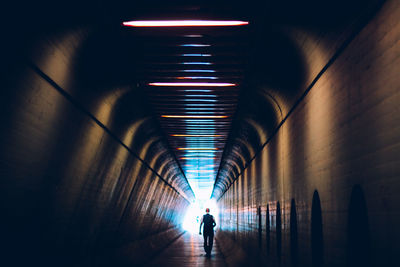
210, 243
205, 242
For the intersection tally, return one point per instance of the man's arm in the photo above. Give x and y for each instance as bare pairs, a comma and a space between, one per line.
214, 224
201, 223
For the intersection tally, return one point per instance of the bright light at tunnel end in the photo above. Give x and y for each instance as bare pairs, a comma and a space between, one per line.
196, 210
183, 23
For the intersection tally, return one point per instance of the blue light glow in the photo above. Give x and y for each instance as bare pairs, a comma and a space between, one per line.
200, 100
203, 71
198, 121
192, 153
195, 45
196, 210
196, 55
196, 63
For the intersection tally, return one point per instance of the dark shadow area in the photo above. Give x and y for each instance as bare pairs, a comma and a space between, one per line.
315, 14
274, 58
317, 240
107, 59
259, 227
293, 234
268, 229
358, 239
278, 231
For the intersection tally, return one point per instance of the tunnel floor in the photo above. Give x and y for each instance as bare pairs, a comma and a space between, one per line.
188, 250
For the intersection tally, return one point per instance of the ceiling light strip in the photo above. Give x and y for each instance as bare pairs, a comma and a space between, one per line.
196, 135
193, 117
195, 171
195, 158
191, 84
183, 23
197, 148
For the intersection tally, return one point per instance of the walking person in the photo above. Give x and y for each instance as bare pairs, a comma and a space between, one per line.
208, 231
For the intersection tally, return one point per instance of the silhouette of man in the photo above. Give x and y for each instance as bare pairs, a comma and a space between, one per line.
208, 231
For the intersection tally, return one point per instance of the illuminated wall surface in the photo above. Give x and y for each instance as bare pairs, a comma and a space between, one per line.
341, 145
301, 155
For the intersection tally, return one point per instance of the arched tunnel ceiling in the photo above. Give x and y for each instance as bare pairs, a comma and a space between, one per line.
265, 60
196, 119
284, 40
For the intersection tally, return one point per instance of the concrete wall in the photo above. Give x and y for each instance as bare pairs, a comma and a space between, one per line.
83, 183
341, 145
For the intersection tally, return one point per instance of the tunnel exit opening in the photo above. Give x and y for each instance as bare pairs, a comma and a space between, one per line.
196, 210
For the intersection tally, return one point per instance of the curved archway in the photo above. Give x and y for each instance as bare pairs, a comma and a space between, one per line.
317, 240
358, 241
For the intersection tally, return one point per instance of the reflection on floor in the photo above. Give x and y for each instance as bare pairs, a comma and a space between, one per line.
188, 251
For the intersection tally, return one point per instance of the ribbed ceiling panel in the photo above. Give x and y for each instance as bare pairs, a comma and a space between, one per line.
195, 119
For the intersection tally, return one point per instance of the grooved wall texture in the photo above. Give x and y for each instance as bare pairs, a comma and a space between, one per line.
72, 193
345, 132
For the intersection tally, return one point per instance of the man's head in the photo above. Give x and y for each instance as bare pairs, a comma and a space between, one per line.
207, 210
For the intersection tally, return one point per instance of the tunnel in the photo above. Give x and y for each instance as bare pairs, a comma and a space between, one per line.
122, 121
